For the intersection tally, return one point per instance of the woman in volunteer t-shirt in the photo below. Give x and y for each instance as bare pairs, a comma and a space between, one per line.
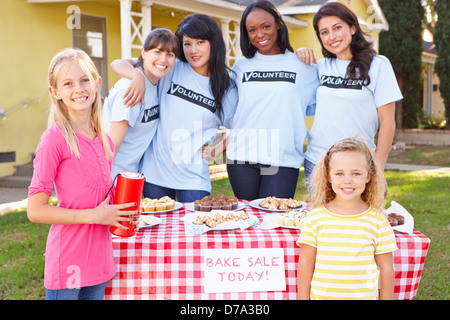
358, 88
265, 145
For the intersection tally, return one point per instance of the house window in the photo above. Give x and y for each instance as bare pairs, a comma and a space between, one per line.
91, 38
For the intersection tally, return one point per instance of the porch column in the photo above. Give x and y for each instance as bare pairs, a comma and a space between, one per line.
125, 28
147, 19
134, 26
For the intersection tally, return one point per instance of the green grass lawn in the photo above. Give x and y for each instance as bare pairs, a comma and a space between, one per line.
423, 155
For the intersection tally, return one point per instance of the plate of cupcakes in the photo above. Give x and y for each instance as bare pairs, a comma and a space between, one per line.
210, 203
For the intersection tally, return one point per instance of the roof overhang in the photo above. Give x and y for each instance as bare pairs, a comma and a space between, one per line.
218, 8
377, 21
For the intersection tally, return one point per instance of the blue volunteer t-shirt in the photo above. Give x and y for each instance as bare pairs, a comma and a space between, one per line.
347, 108
188, 120
269, 126
142, 120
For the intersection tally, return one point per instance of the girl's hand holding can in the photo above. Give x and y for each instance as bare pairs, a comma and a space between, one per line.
112, 214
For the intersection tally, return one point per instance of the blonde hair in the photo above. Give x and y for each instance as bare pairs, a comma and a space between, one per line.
58, 110
322, 192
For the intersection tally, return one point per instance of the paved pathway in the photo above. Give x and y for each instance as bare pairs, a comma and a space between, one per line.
16, 198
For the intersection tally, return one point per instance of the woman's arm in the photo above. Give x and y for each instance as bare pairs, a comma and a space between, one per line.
306, 262
117, 132
40, 211
211, 153
386, 265
386, 118
136, 91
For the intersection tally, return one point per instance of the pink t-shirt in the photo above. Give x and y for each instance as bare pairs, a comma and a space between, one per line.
76, 255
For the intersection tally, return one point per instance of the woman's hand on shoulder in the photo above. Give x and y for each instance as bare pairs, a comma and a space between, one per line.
136, 91
306, 55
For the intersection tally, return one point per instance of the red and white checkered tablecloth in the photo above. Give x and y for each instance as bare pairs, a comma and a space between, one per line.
162, 262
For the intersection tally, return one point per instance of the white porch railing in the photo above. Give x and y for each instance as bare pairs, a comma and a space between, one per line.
135, 25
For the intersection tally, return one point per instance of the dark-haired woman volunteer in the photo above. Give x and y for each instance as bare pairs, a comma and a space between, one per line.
265, 146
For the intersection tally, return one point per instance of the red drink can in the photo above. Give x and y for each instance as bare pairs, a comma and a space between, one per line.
128, 189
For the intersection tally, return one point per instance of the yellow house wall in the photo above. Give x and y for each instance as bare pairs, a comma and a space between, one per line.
32, 35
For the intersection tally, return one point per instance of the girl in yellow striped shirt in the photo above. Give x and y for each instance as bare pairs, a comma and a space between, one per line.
346, 241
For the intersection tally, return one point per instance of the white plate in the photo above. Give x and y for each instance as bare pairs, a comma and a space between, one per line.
229, 225
178, 205
289, 227
153, 221
190, 207
255, 204
270, 222
408, 226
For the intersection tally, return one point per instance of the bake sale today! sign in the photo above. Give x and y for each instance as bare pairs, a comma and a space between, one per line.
244, 270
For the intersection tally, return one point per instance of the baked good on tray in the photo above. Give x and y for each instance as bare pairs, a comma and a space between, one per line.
222, 202
292, 218
274, 203
395, 219
220, 217
161, 204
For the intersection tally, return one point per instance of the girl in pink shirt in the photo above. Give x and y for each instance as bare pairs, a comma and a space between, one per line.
75, 156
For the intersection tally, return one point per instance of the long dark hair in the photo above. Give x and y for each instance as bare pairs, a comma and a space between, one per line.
361, 49
249, 50
200, 26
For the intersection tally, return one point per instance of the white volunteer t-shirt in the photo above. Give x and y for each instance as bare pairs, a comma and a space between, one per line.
142, 120
349, 109
187, 121
269, 125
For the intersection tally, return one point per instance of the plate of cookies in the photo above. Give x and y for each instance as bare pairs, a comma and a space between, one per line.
277, 204
198, 223
161, 205
148, 221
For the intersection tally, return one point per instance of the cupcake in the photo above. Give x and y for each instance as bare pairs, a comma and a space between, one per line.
226, 204
197, 205
298, 222
170, 204
289, 221
216, 205
160, 206
205, 206
280, 219
234, 202
164, 199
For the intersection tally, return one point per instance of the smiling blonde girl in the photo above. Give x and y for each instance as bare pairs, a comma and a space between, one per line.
75, 156
346, 241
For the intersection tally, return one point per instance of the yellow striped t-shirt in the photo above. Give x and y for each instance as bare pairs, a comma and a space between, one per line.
346, 246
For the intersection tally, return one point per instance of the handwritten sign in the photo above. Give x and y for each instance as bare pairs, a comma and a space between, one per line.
244, 270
